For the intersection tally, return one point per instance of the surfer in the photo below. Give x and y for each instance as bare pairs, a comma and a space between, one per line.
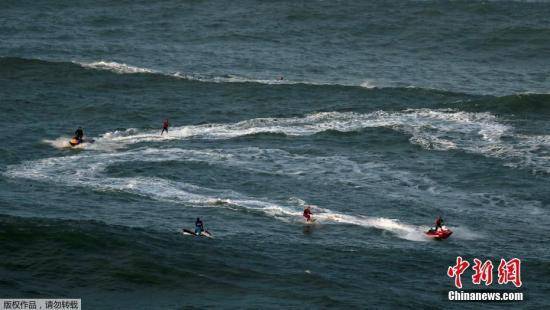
199, 227
79, 134
165, 125
307, 213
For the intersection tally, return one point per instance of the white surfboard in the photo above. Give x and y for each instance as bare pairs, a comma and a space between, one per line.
205, 233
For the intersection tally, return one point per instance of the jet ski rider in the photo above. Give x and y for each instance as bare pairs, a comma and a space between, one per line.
79, 134
438, 223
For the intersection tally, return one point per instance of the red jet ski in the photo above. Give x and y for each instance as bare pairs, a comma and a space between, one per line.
440, 234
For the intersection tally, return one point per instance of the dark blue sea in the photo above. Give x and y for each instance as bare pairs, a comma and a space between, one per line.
382, 115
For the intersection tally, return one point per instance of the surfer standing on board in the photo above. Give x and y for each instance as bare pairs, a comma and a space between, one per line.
199, 227
307, 213
165, 125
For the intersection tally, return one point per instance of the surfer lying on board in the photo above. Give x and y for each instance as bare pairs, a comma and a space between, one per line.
165, 125
199, 227
307, 213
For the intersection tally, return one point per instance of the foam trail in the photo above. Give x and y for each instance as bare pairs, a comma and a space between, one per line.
443, 130
99, 144
464, 233
60, 143
377, 178
87, 171
410, 121
371, 175
336, 169
402, 230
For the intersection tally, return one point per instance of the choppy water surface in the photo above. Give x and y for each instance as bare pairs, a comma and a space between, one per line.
388, 114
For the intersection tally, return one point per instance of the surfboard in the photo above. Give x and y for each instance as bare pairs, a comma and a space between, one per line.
205, 233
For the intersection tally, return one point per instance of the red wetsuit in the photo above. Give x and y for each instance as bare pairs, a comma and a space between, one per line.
307, 214
165, 125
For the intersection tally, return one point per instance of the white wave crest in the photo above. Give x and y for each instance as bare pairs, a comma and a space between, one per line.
368, 84
122, 68
116, 67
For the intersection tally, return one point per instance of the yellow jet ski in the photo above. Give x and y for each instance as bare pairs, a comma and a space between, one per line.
75, 141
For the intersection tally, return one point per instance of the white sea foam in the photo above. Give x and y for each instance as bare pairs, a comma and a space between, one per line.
433, 129
122, 68
478, 133
423, 124
116, 67
87, 170
403, 230
336, 169
60, 143
368, 84
99, 144
239, 79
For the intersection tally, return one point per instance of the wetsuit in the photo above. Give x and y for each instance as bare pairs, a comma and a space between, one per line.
199, 227
165, 125
307, 214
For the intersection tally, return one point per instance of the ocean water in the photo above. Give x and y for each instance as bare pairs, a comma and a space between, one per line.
388, 115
